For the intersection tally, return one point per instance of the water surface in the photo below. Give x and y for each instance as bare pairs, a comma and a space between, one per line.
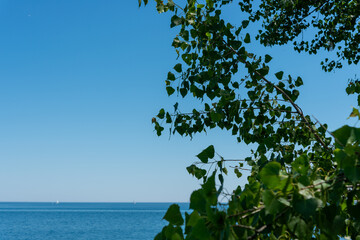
90, 221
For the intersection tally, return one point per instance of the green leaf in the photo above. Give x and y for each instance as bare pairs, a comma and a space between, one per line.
183, 92
161, 113
195, 171
346, 135
145, 2
216, 117
207, 153
269, 175
279, 75
175, 21
237, 172
299, 227
247, 38
173, 215
198, 201
209, 190
267, 58
245, 23
355, 113
338, 224
170, 90
272, 205
178, 68
298, 82
199, 230
301, 165
307, 207
176, 236
171, 76
351, 168
193, 219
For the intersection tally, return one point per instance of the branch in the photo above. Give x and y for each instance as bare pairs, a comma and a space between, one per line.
256, 108
262, 228
336, 140
297, 108
230, 160
251, 211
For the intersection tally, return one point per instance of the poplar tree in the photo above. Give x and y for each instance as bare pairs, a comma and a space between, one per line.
304, 181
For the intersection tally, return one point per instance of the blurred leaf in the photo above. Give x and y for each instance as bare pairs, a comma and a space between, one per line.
346, 135
355, 113
173, 215
198, 201
307, 207
269, 175
272, 205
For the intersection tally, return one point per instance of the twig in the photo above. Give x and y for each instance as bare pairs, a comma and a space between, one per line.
262, 228
250, 211
337, 140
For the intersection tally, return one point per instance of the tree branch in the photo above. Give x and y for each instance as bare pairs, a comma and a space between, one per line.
297, 108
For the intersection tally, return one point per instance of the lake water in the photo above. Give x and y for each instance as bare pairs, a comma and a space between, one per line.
90, 221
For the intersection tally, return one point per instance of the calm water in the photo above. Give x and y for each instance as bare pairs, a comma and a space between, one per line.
90, 221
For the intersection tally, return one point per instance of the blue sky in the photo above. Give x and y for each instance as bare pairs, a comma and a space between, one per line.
79, 84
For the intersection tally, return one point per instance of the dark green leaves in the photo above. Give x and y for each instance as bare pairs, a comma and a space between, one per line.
173, 215
267, 58
178, 68
175, 21
216, 117
298, 82
245, 23
195, 171
279, 75
161, 113
171, 76
207, 153
297, 182
170, 90
247, 38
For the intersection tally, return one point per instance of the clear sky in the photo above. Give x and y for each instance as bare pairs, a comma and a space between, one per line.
79, 84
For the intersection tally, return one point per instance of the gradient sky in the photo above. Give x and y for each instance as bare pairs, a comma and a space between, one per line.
79, 84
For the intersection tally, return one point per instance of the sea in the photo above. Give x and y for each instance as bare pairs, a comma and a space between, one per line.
83, 221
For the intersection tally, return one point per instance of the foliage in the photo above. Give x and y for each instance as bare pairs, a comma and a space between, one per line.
335, 23
304, 181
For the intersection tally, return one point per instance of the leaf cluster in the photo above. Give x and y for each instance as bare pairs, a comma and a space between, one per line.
304, 180
336, 24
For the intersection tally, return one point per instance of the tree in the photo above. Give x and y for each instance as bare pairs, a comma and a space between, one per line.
304, 181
